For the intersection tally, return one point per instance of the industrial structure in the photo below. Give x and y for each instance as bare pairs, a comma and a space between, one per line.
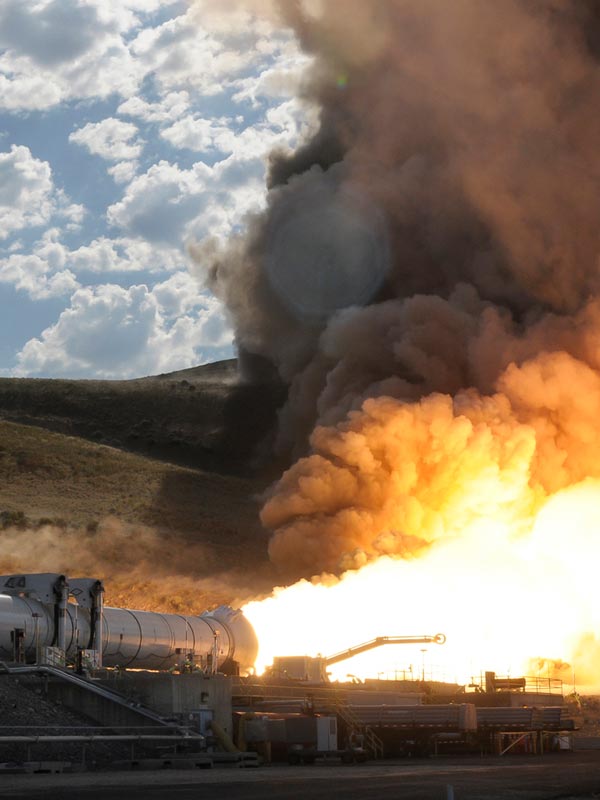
314, 668
148, 678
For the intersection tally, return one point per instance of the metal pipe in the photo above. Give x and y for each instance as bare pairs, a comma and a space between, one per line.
121, 737
439, 638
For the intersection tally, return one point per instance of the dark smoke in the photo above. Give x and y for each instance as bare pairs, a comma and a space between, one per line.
458, 144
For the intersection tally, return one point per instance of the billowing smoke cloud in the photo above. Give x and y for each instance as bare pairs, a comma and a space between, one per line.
425, 276
140, 566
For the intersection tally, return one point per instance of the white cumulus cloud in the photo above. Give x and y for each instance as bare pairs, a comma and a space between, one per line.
50, 267
159, 205
60, 49
113, 332
41, 274
30, 274
168, 205
202, 135
52, 51
165, 75
110, 138
26, 191
167, 109
124, 171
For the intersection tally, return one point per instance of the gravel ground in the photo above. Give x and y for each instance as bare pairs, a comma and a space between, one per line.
22, 704
24, 711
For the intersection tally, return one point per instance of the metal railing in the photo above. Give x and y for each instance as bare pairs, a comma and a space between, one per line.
539, 685
372, 742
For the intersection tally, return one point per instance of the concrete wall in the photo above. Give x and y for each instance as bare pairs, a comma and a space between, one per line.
99, 709
170, 694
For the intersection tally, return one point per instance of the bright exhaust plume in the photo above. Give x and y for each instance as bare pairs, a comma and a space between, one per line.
519, 602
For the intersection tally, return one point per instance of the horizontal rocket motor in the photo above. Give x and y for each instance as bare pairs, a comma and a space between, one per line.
32, 612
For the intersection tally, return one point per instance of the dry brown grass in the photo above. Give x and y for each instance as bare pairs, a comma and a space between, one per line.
161, 535
50, 475
152, 485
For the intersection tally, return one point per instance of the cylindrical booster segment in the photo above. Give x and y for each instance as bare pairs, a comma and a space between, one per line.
139, 639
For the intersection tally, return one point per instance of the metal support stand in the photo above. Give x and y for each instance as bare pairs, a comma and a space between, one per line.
61, 589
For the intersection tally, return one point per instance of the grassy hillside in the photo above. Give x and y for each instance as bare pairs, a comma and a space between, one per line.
49, 475
201, 417
167, 513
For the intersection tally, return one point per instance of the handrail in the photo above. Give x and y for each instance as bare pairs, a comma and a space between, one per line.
101, 691
373, 742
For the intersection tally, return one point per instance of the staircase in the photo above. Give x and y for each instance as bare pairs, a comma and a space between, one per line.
373, 743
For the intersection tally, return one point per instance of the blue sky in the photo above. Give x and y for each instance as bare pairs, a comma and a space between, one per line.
128, 130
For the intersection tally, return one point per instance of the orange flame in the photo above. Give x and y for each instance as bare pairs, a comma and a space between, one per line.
475, 515
501, 601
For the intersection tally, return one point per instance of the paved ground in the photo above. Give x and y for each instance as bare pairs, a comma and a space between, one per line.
559, 775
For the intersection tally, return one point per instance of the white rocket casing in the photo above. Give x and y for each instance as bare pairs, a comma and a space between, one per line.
139, 639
